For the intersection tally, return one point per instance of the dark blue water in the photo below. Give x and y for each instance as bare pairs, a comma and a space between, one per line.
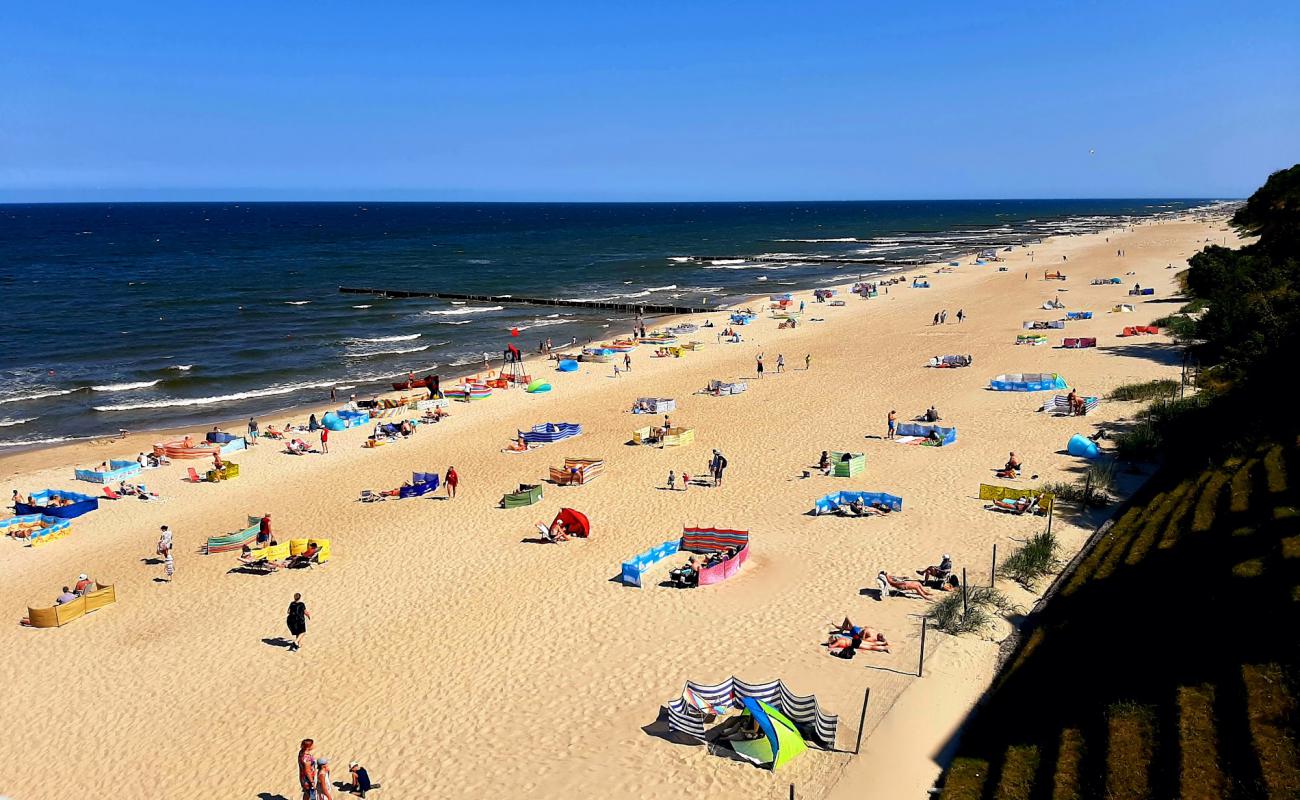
147, 315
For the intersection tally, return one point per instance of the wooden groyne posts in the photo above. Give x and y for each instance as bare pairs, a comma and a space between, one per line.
639, 308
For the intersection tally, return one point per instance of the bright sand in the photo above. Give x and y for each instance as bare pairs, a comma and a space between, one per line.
455, 660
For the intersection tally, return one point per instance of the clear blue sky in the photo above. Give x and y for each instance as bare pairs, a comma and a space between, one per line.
658, 100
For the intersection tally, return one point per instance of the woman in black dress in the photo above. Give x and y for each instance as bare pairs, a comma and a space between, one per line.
297, 620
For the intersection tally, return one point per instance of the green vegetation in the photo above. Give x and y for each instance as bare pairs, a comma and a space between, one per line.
981, 604
1148, 390
1035, 559
1200, 777
1093, 489
1166, 666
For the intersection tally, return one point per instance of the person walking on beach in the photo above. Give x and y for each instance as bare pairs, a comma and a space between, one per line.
961, 315
943, 317
807, 362
307, 769
719, 464
936, 318
253, 431
324, 440
627, 362
780, 363
893, 423
451, 480
760, 365
264, 530
296, 620
169, 563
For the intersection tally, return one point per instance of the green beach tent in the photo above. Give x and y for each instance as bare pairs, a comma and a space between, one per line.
781, 741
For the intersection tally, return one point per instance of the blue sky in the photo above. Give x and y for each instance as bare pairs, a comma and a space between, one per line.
645, 101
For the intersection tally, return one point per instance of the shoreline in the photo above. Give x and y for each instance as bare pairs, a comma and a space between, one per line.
21, 458
426, 588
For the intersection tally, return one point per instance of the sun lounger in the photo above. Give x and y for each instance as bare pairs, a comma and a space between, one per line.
110, 494
194, 476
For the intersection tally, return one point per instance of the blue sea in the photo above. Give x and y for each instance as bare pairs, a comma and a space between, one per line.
142, 316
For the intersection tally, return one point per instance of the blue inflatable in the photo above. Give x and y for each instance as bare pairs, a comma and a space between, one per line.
1083, 447
568, 365
332, 421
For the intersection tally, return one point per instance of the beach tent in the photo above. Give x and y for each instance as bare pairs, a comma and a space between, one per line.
1083, 447
568, 365
781, 740
1027, 382
575, 522
686, 714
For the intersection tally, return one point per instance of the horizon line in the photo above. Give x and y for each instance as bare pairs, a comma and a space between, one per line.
328, 201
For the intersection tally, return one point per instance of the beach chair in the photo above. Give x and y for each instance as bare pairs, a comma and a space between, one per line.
194, 476
110, 494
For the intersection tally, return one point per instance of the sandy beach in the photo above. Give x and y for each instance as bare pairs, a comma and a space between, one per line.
454, 659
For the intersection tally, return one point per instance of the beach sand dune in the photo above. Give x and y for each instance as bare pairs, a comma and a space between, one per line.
456, 659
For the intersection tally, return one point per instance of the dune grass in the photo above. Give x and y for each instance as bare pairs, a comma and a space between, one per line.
1067, 780
1130, 751
1032, 561
1018, 770
1271, 709
1200, 776
965, 780
1147, 390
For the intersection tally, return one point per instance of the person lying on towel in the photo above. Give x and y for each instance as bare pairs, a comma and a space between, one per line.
845, 639
1015, 506
247, 558
889, 582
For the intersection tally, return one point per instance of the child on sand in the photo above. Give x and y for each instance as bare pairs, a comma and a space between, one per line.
672, 480
686, 481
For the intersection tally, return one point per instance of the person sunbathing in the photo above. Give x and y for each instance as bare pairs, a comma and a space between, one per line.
304, 558
1018, 506
857, 506
519, 445
558, 532
248, 559
847, 637
937, 571
903, 584
688, 574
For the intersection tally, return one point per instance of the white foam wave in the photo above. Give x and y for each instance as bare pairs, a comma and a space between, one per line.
123, 387
454, 321
182, 367
184, 402
679, 259
722, 262
9, 423
404, 338
399, 351
661, 288
296, 302
464, 310
365, 306
39, 395
543, 323
33, 442
816, 241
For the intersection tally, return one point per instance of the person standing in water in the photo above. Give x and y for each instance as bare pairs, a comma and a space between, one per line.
296, 620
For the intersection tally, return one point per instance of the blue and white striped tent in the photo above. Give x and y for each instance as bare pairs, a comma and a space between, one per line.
685, 715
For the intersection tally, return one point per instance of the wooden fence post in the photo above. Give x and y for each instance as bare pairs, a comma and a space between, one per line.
862, 720
993, 571
920, 666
